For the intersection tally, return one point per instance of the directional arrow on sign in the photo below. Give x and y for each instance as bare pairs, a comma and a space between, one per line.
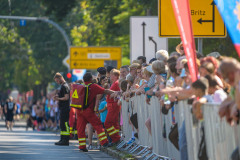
75, 53
155, 44
143, 24
200, 21
213, 17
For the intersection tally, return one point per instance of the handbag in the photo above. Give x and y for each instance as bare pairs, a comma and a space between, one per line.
165, 110
134, 120
173, 135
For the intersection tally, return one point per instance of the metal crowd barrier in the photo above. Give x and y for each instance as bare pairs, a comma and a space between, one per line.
221, 139
143, 114
126, 128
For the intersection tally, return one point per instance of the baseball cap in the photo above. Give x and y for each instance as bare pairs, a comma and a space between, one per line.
149, 69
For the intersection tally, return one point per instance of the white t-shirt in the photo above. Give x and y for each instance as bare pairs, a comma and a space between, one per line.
219, 96
33, 110
56, 106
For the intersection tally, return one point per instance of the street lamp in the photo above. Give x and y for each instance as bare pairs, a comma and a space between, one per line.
46, 20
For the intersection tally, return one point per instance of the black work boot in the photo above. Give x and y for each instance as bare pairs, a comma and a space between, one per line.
83, 150
64, 141
61, 138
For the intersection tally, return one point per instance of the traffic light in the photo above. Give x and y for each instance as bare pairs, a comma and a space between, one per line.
69, 75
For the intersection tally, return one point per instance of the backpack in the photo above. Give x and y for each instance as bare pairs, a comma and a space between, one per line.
79, 98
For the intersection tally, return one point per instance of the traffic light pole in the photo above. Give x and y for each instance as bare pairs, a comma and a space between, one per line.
46, 20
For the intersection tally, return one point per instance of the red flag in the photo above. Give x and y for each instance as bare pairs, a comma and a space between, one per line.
183, 18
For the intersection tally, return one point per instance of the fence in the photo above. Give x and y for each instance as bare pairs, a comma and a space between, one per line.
221, 139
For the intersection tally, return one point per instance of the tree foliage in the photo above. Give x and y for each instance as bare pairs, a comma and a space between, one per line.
30, 55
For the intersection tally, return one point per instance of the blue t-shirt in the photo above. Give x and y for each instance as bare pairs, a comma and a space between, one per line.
46, 106
103, 115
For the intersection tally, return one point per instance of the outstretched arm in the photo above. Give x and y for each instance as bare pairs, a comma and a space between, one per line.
108, 91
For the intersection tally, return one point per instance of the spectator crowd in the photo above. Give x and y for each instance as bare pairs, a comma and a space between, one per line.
166, 77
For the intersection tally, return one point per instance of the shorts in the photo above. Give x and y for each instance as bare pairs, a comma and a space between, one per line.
47, 116
53, 119
18, 111
34, 118
39, 119
9, 117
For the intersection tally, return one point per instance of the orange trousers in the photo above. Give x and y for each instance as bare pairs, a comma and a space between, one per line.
112, 121
89, 116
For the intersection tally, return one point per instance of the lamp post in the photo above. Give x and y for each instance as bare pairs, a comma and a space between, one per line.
46, 20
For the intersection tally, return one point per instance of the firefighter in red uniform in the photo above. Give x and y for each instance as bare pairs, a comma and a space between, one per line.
72, 119
86, 114
112, 119
72, 122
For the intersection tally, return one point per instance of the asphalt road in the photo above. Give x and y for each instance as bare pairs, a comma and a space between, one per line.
37, 145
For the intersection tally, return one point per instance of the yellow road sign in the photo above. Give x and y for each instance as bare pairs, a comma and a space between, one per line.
206, 20
94, 57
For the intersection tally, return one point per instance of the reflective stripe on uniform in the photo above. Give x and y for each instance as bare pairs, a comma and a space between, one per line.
113, 132
82, 144
117, 130
74, 132
86, 100
64, 133
66, 125
101, 134
101, 139
81, 139
76, 106
111, 128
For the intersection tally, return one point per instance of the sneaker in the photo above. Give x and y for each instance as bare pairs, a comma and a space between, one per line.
90, 147
98, 147
131, 141
83, 150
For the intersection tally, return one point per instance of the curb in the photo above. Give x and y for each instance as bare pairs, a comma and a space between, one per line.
121, 155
